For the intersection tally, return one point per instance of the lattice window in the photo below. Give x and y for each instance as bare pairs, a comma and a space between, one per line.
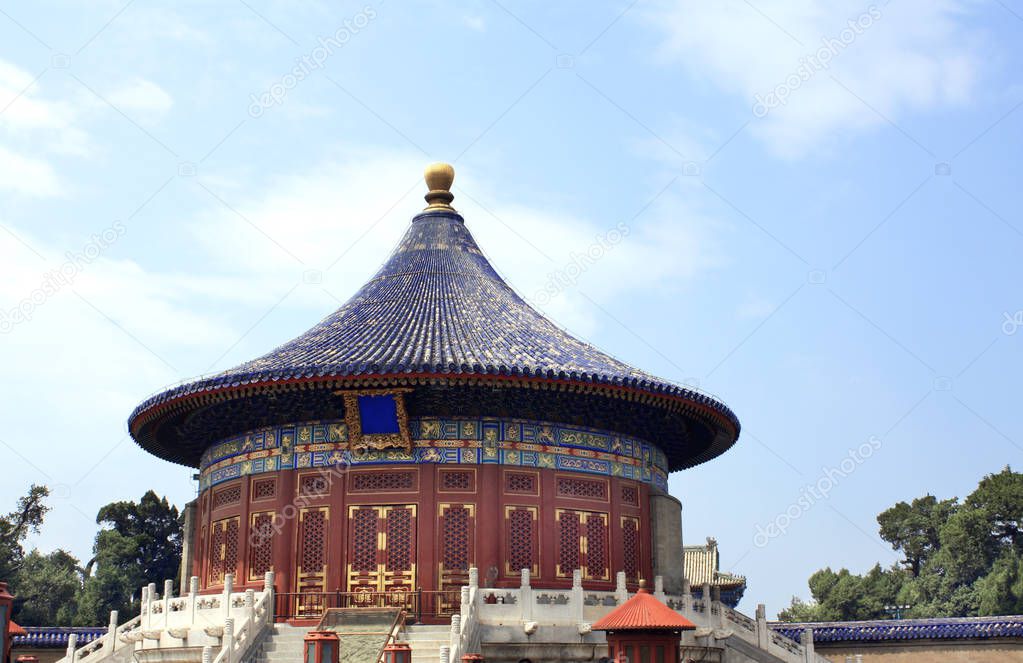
226, 496
399, 529
568, 543
630, 546
630, 495
520, 482
364, 540
455, 537
457, 480
314, 485
371, 482
522, 540
596, 546
261, 534
594, 489
313, 540
263, 489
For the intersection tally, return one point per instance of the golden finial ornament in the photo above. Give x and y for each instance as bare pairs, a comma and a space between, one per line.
439, 178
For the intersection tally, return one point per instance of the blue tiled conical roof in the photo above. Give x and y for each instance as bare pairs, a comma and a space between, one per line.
436, 308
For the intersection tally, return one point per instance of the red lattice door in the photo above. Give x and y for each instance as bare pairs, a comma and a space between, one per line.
223, 554
311, 570
382, 554
583, 544
457, 551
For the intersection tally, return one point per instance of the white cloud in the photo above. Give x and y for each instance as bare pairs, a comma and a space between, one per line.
345, 216
31, 124
475, 23
27, 175
142, 96
914, 56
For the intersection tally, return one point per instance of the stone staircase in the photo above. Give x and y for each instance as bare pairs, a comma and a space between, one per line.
282, 645
426, 641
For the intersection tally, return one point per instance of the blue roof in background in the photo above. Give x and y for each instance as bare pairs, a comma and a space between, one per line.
56, 636
937, 628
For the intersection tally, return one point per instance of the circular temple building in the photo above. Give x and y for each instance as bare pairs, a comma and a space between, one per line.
435, 422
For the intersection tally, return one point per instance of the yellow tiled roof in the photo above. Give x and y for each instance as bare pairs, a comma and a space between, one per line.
702, 563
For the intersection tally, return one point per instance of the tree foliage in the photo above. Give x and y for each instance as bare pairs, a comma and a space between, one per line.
138, 542
46, 589
17, 525
959, 559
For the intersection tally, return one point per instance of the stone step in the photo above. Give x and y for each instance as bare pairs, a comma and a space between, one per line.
426, 645
283, 648
443, 635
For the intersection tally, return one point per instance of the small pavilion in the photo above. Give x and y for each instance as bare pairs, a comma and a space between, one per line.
644, 629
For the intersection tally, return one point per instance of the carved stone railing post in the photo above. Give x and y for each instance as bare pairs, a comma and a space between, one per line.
150, 599
525, 597
808, 650
193, 597
474, 577
763, 633
463, 603
268, 587
715, 603
168, 594
225, 604
228, 644
456, 629
577, 595
621, 590
72, 644
250, 606
110, 644
445, 655
207, 654
659, 588
687, 599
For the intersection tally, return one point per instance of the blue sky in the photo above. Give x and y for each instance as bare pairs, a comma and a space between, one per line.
842, 268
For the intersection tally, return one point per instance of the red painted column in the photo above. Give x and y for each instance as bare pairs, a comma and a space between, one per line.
284, 532
426, 526
490, 523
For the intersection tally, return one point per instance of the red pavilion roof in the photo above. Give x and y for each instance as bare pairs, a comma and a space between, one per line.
643, 612
17, 630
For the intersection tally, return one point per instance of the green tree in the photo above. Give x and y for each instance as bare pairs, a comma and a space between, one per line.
140, 542
961, 559
46, 588
1000, 497
845, 596
913, 529
15, 526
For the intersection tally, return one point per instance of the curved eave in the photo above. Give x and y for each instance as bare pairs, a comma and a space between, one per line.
198, 394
